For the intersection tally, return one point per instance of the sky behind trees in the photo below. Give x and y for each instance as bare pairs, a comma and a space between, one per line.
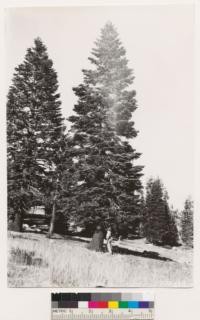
159, 42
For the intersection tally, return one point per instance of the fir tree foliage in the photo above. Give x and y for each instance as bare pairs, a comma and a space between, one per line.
187, 223
159, 223
112, 77
34, 130
108, 181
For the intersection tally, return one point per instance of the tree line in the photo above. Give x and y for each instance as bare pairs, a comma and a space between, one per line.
87, 173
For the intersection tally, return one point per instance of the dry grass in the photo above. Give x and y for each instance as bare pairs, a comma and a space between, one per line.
35, 261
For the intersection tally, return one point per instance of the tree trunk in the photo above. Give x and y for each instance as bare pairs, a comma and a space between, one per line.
53, 219
16, 225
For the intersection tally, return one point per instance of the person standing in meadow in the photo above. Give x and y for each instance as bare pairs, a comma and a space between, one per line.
109, 240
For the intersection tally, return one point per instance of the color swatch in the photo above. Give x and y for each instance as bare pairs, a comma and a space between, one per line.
100, 301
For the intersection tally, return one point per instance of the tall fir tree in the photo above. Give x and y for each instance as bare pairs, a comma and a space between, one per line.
108, 181
35, 132
187, 223
159, 223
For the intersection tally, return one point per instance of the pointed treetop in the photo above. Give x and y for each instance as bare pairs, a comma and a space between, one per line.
110, 79
39, 44
38, 50
38, 41
109, 28
109, 57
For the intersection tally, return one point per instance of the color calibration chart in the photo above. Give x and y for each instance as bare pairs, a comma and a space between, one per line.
102, 306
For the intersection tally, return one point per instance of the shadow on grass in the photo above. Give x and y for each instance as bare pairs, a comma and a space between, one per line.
144, 254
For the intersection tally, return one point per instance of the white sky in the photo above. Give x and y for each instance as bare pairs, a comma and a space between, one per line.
159, 41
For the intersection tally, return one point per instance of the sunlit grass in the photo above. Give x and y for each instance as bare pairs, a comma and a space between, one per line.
35, 261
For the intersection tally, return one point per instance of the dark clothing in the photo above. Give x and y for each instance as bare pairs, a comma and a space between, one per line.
96, 243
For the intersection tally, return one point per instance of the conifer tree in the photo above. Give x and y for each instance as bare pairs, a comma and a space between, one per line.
159, 223
187, 223
108, 181
34, 131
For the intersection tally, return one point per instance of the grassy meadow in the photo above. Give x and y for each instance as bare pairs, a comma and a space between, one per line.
36, 261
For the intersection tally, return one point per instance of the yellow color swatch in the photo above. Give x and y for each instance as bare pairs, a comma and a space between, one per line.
113, 304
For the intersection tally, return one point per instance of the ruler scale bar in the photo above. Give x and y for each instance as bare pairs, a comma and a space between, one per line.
97, 314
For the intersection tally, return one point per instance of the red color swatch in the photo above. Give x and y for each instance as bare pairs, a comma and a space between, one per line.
97, 304
103, 304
